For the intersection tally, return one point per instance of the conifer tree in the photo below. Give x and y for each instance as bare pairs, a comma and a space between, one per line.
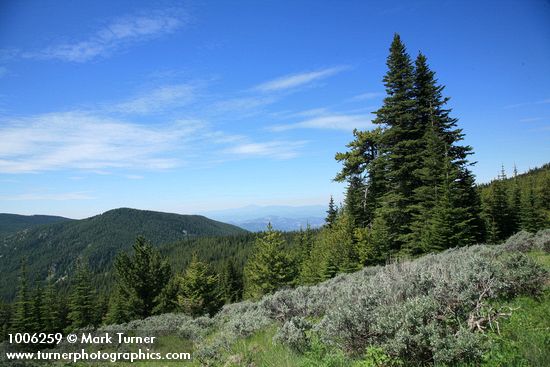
399, 140
498, 211
5, 320
119, 308
231, 282
270, 266
82, 305
364, 160
439, 156
50, 307
515, 204
167, 301
467, 198
530, 215
22, 314
331, 213
341, 253
140, 281
198, 289
448, 225
311, 255
306, 241
355, 203
36, 309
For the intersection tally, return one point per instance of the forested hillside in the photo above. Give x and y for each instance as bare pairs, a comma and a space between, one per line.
11, 223
519, 202
455, 308
55, 247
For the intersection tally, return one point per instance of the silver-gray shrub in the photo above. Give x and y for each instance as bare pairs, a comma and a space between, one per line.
524, 241
421, 311
294, 333
542, 240
247, 323
413, 309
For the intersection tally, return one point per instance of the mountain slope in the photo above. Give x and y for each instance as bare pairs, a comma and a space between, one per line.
11, 223
97, 239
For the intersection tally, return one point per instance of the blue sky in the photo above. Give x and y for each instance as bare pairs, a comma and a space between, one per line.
203, 105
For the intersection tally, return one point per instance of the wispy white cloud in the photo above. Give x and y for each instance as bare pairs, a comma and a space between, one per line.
241, 104
120, 32
92, 142
159, 99
298, 80
329, 122
366, 96
79, 140
542, 101
277, 149
48, 197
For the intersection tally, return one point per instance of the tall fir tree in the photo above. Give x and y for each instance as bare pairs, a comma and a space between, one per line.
198, 289
355, 202
22, 314
531, 219
441, 155
404, 163
269, 267
37, 300
331, 213
50, 307
140, 281
515, 203
82, 299
399, 142
340, 254
231, 282
497, 211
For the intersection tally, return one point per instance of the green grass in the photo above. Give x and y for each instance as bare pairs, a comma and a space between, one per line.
524, 339
260, 350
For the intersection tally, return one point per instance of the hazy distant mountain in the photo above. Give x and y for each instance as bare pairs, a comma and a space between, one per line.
10, 223
251, 212
97, 239
285, 218
280, 223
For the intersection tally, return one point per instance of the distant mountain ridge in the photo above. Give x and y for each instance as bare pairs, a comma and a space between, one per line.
257, 211
282, 217
11, 223
280, 223
97, 239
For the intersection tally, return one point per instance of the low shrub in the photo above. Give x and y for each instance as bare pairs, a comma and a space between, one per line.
294, 333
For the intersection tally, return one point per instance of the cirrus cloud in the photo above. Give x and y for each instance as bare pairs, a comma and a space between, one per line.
114, 35
80, 140
344, 122
298, 80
